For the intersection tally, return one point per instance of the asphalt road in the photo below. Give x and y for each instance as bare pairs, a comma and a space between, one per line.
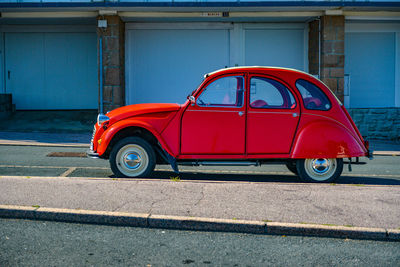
38, 243
35, 161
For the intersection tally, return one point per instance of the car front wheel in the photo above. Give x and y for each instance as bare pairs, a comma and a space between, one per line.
132, 157
319, 170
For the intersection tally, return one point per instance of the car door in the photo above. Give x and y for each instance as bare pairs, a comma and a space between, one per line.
215, 123
272, 116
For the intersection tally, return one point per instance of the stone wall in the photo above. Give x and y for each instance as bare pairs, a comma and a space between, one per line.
377, 123
113, 62
327, 33
332, 53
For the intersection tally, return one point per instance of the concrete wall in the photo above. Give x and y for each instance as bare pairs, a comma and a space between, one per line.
377, 123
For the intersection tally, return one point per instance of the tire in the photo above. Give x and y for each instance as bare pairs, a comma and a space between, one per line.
319, 170
291, 165
132, 157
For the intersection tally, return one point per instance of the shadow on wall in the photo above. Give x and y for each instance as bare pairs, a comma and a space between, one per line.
50, 121
6, 106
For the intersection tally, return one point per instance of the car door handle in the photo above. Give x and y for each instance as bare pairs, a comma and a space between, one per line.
240, 113
295, 115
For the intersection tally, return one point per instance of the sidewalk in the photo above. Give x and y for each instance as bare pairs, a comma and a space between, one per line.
370, 212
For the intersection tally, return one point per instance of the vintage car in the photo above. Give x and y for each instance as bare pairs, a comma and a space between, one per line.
237, 116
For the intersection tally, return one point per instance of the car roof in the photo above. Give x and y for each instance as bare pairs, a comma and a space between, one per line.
268, 68
254, 68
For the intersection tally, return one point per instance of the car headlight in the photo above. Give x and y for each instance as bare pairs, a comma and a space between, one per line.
102, 118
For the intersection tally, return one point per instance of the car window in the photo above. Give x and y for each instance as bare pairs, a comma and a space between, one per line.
268, 93
313, 97
226, 91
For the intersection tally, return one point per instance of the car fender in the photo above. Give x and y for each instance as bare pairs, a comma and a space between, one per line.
326, 139
118, 126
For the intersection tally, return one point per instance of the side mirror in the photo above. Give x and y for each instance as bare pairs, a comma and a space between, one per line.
192, 100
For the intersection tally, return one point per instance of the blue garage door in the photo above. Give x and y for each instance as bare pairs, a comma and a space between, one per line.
165, 65
275, 47
52, 70
370, 64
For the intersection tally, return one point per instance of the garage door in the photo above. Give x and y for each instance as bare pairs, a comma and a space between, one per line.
370, 66
51, 70
165, 62
275, 47
168, 64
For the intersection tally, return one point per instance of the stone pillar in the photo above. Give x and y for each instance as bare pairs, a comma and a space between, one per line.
113, 49
331, 41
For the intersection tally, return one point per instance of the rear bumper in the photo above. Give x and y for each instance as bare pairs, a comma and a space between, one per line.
369, 151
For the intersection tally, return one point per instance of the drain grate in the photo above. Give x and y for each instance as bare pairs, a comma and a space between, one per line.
67, 154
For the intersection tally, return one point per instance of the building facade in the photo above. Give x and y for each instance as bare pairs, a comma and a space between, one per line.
92, 54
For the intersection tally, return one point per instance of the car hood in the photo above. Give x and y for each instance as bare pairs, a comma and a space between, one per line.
139, 109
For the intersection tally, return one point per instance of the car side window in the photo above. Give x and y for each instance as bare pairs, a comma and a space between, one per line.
313, 97
268, 93
225, 92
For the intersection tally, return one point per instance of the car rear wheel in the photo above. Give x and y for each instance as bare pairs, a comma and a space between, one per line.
132, 157
319, 170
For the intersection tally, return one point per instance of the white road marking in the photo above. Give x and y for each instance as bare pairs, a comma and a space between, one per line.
68, 172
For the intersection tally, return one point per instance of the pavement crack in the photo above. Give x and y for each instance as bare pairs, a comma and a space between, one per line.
119, 208
189, 211
201, 196
155, 201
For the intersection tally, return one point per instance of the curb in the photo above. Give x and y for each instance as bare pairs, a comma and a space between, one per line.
195, 223
386, 153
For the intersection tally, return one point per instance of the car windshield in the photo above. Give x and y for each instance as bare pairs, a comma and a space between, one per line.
192, 93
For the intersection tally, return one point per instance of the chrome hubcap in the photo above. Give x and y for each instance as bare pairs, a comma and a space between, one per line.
320, 169
132, 160
320, 166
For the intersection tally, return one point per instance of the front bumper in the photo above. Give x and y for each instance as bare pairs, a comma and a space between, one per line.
91, 154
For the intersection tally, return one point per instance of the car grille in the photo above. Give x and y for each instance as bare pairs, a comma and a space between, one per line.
91, 141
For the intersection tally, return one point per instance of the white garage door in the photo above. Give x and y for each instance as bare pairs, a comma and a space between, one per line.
165, 62
48, 70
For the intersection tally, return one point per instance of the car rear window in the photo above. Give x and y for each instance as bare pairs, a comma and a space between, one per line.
313, 97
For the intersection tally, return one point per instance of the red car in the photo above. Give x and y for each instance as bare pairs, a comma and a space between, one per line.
237, 116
